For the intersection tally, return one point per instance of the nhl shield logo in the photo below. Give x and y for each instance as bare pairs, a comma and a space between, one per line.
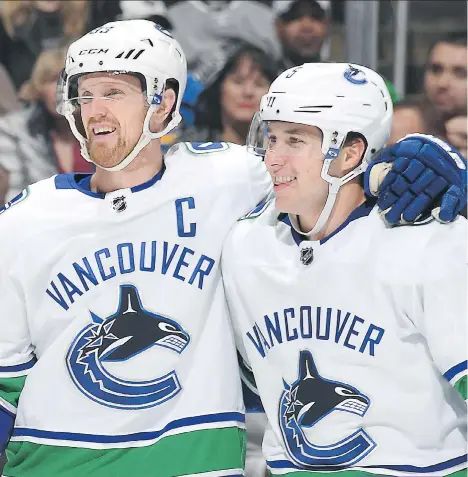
119, 204
307, 255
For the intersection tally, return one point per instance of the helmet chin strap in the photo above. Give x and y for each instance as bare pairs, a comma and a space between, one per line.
334, 184
146, 137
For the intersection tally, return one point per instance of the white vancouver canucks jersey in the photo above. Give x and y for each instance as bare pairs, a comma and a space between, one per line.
113, 307
354, 342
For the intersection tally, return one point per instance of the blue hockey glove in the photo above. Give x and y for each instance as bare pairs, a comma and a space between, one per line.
418, 178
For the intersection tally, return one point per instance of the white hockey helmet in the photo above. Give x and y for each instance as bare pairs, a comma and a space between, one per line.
138, 47
337, 98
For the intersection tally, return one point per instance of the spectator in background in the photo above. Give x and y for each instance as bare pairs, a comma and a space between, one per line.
237, 77
445, 76
154, 11
407, 119
8, 98
200, 25
301, 27
442, 108
30, 26
36, 142
302, 30
445, 88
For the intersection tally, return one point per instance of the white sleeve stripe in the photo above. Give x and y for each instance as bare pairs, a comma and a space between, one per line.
5, 405
458, 376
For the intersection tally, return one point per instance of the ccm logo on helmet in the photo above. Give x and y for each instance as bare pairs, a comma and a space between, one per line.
93, 51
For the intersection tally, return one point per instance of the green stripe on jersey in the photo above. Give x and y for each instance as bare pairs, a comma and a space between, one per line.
354, 473
461, 385
183, 454
10, 389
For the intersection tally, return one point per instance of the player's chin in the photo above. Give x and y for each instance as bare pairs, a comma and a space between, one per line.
285, 203
105, 157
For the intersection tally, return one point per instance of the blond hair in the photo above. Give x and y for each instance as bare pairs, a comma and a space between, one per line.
47, 68
74, 14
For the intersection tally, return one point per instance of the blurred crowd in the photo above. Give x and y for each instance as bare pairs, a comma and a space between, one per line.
234, 51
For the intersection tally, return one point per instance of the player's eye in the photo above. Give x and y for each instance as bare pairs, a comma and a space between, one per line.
271, 141
295, 141
115, 93
85, 98
343, 391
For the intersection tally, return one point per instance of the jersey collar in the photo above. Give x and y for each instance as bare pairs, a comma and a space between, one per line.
362, 210
81, 182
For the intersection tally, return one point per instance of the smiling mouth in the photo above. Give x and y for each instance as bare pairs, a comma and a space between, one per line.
280, 180
103, 131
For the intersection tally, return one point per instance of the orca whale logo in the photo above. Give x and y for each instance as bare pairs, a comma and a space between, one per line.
308, 400
355, 75
131, 330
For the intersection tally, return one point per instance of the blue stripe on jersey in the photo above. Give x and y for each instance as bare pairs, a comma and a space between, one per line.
7, 420
362, 210
458, 368
151, 182
138, 436
18, 367
74, 181
81, 182
62, 181
285, 464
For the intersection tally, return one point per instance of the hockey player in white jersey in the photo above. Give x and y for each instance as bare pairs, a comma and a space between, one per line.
110, 284
116, 357
355, 332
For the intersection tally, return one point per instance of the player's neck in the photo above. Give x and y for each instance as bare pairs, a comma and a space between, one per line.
143, 168
349, 197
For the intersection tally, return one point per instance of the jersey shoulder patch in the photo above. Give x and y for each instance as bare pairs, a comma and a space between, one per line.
23, 195
206, 147
258, 210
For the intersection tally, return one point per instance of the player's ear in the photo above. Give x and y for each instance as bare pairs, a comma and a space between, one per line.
163, 111
352, 154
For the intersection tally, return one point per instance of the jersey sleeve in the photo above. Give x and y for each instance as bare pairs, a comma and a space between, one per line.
16, 351
235, 310
261, 184
256, 420
444, 307
234, 303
